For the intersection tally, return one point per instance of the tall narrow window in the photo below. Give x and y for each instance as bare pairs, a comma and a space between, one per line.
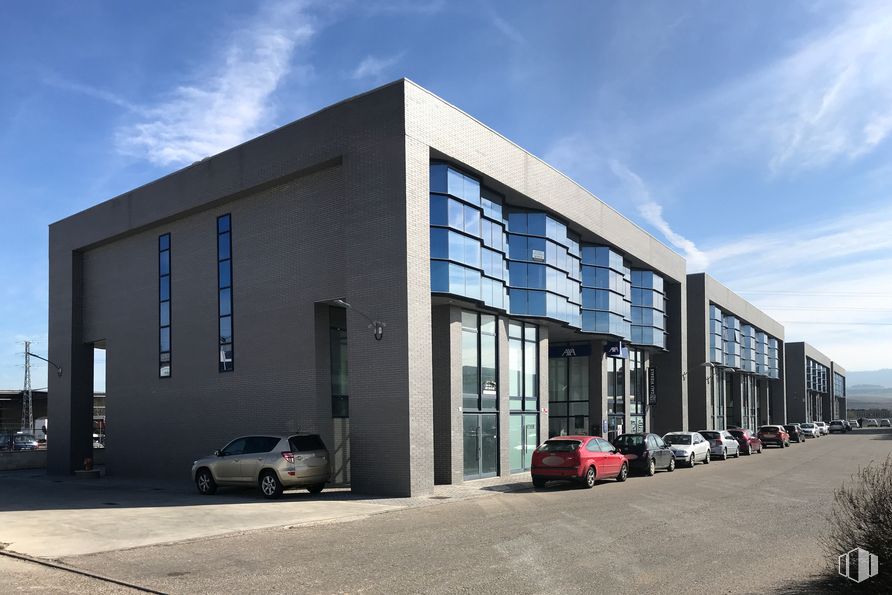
164, 305
337, 333
224, 285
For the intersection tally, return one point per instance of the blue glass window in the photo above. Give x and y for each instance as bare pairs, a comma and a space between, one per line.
164, 363
225, 341
439, 210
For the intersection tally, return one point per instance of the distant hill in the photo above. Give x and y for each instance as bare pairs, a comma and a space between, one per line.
882, 378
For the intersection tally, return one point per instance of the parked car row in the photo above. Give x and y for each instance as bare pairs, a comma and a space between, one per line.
587, 459
876, 423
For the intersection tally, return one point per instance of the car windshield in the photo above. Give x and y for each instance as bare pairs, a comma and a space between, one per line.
768, 429
629, 440
790, 427
24, 438
677, 439
808, 425
710, 435
559, 446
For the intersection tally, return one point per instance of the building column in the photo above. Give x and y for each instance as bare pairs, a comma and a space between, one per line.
71, 404
597, 387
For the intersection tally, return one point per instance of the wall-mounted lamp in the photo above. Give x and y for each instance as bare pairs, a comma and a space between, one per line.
377, 325
58, 368
712, 366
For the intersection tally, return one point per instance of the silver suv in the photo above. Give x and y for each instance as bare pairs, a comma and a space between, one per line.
272, 463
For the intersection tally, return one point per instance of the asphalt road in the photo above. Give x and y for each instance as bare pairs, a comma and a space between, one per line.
745, 525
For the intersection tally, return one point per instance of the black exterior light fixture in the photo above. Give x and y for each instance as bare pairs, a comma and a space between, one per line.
377, 325
58, 368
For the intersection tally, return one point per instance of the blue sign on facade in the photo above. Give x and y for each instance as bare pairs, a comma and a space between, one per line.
616, 349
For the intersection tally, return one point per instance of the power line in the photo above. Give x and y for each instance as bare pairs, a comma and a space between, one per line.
817, 293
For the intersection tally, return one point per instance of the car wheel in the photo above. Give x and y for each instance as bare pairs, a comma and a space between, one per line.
706, 459
725, 454
623, 473
651, 468
691, 462
205, 483
671, 466
737, 453
590, 476
270, 486
315, 488
538, 482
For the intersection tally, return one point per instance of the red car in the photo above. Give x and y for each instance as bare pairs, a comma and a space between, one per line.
749, 443
776, 435
585, 459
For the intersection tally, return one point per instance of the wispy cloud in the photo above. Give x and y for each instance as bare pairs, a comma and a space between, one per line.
652, 212
825, 281
507, 29
374, 68
830, 98
59, 82
227, 107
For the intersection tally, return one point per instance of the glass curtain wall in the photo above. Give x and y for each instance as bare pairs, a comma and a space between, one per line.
637, 390
717, 386
616, 395
479, 338
568, 396
523, 393
337, 342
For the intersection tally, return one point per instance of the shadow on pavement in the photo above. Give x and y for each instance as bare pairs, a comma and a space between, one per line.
826, 584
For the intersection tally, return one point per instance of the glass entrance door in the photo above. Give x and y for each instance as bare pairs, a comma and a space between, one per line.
481, 445
523, 439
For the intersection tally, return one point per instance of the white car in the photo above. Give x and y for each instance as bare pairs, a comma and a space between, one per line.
871, 423
722, 443
885, 423
822, 425
688, 447
810, 430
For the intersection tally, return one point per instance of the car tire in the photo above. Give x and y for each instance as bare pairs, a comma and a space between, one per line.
671, 466
590, 478
269, 485
316, 488
707, 457
651, 468
538, 482
623, 473
205, 483
725, 454
691, 461
737, 453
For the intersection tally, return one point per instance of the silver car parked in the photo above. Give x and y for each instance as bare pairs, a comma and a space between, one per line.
688, 447
721, 443
272, 463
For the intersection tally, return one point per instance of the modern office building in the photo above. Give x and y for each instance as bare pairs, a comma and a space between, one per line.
388, 272
735, 360
816, 385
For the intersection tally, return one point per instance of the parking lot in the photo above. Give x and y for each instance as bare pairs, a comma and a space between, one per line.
738, 526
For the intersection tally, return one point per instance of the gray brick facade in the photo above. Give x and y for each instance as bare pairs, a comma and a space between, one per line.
335, 205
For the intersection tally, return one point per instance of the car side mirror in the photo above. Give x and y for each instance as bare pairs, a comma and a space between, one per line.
218, 453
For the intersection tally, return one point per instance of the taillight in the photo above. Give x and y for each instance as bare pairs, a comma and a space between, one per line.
288, 456
573, 459
716, 442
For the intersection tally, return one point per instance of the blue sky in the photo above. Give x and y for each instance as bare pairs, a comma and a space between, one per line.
752, 137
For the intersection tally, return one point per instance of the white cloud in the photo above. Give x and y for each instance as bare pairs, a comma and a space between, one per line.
826, 282
506, 29
227, 107
828, 99
374, 68
652, 212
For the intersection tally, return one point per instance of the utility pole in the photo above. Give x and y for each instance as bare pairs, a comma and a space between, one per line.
27, 411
